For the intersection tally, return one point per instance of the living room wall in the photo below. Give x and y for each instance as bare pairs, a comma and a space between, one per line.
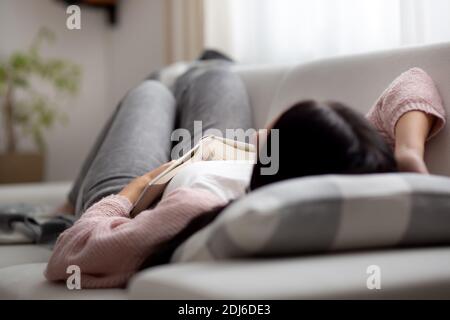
113, 59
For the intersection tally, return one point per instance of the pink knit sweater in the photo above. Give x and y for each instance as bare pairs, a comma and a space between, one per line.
109, 246
412, 90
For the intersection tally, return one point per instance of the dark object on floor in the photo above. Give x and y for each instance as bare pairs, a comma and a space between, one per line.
30, 222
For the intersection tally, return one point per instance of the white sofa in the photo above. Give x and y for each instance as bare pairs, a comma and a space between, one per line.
405, 273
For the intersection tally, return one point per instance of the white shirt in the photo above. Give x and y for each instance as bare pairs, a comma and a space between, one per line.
226, 179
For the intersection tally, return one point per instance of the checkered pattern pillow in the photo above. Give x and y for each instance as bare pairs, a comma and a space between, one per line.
328, 213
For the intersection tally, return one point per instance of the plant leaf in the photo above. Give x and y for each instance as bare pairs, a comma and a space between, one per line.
20, 62
34, 112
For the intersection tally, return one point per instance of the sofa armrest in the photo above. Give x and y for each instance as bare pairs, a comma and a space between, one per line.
35, 193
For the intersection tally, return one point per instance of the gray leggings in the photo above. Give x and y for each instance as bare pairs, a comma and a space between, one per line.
137, 137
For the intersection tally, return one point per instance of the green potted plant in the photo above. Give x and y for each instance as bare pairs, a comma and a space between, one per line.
31, 90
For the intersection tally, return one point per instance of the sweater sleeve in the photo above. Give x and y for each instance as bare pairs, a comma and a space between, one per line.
413, 90
109, 247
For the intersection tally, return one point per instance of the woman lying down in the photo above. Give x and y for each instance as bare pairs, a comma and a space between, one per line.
109, 246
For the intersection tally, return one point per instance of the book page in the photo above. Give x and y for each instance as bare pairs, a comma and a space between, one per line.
209, 148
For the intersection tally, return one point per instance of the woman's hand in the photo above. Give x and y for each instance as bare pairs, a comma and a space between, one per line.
133, 190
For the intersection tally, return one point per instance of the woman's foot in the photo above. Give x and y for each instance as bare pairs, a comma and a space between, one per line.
211, 54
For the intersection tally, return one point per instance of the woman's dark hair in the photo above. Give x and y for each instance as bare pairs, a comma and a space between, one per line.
325, 138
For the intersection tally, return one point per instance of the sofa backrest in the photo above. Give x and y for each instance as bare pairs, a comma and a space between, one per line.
356, 81
262, 83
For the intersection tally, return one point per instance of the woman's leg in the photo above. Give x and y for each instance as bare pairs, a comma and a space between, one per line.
135, 141
73, 194
214, 95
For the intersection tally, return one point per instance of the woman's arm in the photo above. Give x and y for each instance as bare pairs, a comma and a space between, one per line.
109, 247
407, 114
133, 190
411, 133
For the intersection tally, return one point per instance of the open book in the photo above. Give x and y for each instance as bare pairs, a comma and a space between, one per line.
207, 149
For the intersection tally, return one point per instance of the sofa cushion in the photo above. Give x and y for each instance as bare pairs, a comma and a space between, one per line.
420, 273
328, 213
27, 282
11, 255
48, 194
262, 84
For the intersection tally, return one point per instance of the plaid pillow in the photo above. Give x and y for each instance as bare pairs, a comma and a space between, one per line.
328, 213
